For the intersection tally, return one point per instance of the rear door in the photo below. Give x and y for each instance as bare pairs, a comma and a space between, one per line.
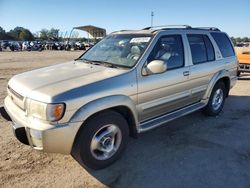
211, 53
204, 64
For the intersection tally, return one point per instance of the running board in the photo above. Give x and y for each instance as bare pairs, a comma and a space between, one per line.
152, 123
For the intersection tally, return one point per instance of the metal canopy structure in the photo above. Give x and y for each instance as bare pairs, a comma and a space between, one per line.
93, 31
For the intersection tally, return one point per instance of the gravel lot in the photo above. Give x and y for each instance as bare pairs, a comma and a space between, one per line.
193, 151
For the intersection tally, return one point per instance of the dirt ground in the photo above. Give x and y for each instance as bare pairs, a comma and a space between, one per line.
193, 151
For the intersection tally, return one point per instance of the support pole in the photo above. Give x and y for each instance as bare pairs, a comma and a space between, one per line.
152, 18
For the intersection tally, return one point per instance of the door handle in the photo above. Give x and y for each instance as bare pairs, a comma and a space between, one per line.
186, 73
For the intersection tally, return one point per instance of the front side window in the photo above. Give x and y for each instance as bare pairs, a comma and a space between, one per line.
170, 50
118, 49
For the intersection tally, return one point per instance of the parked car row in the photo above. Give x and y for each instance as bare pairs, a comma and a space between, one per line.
243, 44
64, 46
6, 45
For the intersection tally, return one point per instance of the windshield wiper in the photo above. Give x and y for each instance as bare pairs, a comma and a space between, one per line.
105, 63
98, 62
84, 60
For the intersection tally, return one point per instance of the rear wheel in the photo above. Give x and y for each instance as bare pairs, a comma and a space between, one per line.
101, 140
216, 100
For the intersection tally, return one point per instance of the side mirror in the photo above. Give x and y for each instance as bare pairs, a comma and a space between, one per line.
155, 67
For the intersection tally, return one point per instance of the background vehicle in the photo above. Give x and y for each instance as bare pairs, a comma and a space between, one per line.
243, 54
4, 44
128, 83
14, 46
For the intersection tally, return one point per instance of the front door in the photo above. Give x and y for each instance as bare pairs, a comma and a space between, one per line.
165, 92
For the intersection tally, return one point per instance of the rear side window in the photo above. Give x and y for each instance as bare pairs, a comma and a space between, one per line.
210, 48
201, 48
224, 44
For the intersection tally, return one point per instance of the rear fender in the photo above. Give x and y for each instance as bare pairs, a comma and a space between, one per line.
217, 76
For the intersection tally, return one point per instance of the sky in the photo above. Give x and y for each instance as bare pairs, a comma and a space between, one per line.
231, 16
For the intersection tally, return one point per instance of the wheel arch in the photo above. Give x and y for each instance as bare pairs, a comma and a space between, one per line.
226, 82
222, 76
119, 103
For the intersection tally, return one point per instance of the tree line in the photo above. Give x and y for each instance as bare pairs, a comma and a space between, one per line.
23, 34
18, 33
239, 40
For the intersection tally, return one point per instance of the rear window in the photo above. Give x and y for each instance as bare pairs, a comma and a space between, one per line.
224, 44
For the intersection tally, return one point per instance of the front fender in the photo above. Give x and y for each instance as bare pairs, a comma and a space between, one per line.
102, 104
217, 76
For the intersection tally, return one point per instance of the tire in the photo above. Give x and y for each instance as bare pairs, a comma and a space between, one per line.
238, 73
216, 100
106, 131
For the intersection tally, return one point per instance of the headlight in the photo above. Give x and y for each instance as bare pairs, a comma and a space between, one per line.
37, 109
49, 112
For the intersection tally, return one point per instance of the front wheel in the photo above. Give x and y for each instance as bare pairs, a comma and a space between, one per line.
101, 140
216, 100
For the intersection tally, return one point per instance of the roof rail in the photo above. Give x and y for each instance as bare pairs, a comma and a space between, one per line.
121, 31
207, 28
168, 26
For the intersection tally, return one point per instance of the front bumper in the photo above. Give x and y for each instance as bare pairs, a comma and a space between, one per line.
19, 132
41, 135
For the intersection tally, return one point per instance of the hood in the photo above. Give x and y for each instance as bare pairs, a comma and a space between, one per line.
45, 83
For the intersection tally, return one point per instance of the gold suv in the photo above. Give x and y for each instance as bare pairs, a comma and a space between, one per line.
128, 83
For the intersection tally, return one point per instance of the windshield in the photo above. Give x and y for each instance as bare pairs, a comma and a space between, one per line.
120, 49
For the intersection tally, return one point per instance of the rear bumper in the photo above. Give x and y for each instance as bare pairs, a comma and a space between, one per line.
52, 139
243, 67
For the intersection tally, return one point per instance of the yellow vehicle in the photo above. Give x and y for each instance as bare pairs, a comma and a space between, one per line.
243, 54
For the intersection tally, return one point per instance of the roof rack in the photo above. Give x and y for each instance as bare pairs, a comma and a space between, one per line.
208, 28
168, 27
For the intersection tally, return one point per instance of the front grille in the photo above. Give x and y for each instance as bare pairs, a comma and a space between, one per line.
15, 93
244, 67
16, 98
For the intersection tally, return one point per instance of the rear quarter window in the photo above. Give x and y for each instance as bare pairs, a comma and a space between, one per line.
224, 44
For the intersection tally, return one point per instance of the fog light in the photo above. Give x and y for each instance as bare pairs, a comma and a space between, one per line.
36, 138
36, 134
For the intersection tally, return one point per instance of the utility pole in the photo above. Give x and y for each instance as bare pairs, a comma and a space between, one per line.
152, 18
